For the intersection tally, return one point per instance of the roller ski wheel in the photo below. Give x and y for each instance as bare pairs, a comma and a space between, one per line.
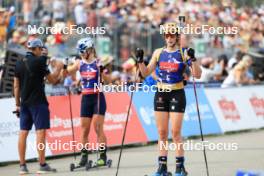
109, 163
81, 164
89, 165
72, 167
97, 164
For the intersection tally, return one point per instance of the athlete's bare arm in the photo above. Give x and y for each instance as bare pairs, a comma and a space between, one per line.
196, 70
72, 69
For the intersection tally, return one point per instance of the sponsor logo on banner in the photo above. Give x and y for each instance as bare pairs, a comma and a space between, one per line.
144, 106
209, 122
258, 105
114, 123
60, 122
229, 109
115, 119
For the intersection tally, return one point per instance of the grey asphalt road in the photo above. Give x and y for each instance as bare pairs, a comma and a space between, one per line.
138, 161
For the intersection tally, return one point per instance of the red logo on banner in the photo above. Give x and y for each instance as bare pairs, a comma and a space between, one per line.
229, 110
60, 133
117, 106
115, 117
258, 105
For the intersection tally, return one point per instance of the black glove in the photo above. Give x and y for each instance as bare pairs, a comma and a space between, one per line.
191, 54
139, 55
79, 90
101, 68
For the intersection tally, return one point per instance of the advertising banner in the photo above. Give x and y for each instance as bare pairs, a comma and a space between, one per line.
9, 131
238, 108
116, 113
145, 109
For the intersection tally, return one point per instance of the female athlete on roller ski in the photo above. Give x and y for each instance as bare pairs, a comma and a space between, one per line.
93, 104
170, 101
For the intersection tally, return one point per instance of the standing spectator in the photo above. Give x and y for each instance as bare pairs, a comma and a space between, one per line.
27, 10
59, 10
80, 14
11, 23
3, 24
31, 102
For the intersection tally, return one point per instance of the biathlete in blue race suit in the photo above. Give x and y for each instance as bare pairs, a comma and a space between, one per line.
170, 100
93, 104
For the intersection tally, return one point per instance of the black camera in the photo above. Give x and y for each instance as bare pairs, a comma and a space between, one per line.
16, 112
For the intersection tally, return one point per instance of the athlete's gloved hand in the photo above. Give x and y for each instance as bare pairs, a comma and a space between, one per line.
139, 55
191, 55
102, 67
79, 90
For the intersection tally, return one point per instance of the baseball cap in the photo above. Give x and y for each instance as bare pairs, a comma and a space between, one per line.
35, 43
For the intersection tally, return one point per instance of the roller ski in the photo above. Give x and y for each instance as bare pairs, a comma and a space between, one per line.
98, 163
83, 162
102, 161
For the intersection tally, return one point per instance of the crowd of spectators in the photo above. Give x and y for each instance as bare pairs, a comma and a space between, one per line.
131, 24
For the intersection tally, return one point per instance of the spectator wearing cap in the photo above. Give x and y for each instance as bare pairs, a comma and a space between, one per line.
31, 103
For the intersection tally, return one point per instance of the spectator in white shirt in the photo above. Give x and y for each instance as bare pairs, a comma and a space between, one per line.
59, 10
80, 14
208, 71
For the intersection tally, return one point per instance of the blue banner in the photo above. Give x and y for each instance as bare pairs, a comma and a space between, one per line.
143, 103
191, 124
145, 108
